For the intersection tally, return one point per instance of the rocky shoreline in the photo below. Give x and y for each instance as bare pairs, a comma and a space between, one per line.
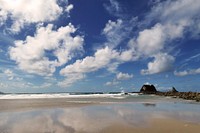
184, 95
150, 89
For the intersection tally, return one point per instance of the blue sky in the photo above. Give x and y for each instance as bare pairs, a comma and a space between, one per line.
99, 45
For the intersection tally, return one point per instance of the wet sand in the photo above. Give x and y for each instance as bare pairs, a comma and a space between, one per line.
79, 115
28, 104
156, 126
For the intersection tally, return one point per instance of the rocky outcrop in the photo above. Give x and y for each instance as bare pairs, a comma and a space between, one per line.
184, 95
173, 90
190, 96
148, 89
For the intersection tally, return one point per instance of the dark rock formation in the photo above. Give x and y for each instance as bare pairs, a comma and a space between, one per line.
190, 96
184, 95
173, 90
148, 89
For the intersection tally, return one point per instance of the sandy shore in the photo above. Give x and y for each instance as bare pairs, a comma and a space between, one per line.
77, 115
156, 126
27, 104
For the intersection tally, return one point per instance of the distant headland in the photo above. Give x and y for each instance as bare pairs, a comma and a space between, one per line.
150, 89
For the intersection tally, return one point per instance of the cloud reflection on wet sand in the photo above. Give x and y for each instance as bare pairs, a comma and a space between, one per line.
92, 118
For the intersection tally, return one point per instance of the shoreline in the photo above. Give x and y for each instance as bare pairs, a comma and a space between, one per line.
45, 103
65, 114
182, 95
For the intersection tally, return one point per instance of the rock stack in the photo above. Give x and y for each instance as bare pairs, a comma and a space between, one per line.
173, 90
148, 89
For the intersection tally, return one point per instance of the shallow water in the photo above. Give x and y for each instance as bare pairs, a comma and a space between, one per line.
134, 111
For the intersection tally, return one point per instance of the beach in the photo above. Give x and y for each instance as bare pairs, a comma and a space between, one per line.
102, 113
99, 66
156, 126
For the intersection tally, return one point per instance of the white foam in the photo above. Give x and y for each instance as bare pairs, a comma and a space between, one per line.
63, 95
33, 96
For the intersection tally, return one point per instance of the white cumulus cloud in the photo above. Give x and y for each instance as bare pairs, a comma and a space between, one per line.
151, 41
174, 19
107, 57
162, 62
175, 11
23, 12
187, 72
181, 15
124, 76
101, 59
31, 54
